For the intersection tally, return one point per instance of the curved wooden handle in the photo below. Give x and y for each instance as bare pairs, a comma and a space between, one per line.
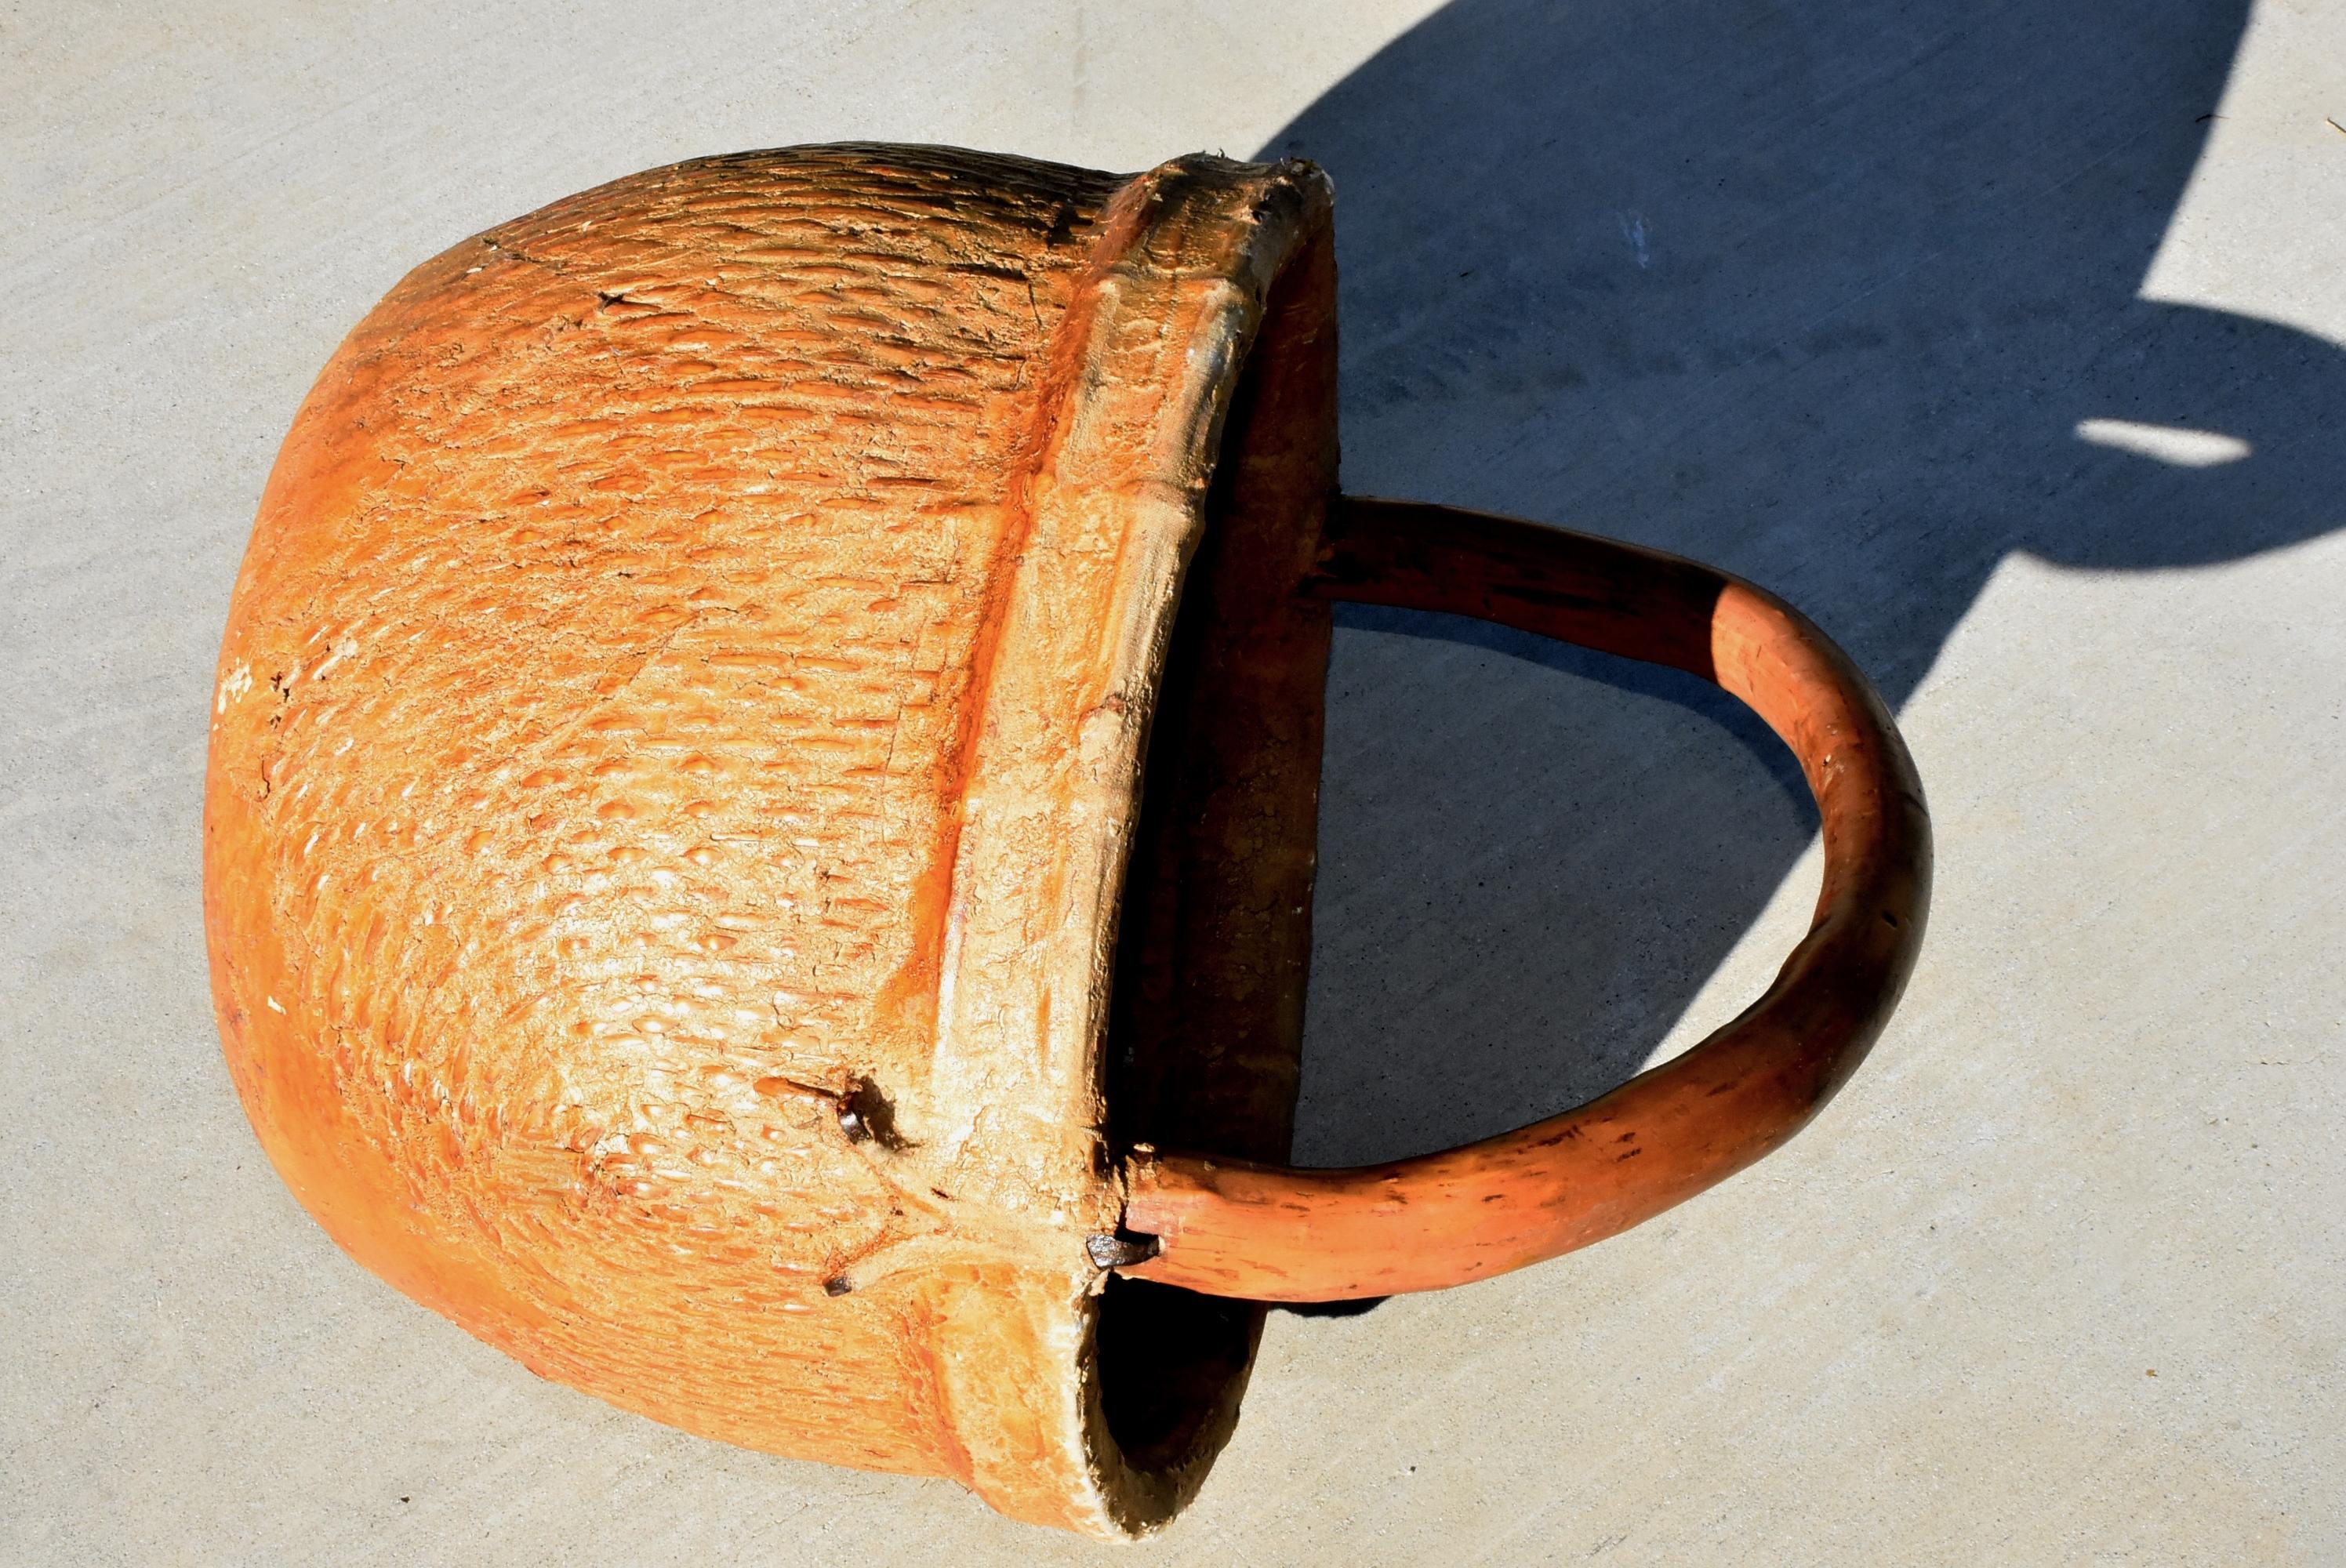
1277, 1234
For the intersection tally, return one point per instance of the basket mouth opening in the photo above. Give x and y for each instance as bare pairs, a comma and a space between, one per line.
1205, 1010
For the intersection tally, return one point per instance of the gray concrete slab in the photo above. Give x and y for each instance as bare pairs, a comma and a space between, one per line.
2006, 339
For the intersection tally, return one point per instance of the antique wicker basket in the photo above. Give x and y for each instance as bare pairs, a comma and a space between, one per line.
683, 898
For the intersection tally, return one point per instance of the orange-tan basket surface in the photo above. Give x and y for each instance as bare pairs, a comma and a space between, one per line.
673, 765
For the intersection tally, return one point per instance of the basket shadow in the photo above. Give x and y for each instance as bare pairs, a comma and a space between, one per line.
1819, 294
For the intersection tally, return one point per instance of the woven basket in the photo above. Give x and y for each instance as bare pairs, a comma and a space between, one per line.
759, 837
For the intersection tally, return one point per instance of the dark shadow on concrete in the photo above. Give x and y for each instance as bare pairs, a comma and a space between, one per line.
1816, 291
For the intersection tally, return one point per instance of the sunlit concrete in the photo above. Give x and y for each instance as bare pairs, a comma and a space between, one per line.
1875, 304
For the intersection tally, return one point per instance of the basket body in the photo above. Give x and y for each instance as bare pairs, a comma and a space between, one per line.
678, 890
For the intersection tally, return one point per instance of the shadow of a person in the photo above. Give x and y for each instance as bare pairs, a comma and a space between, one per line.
1821, 293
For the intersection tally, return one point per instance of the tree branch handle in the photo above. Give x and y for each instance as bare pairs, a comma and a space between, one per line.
1275, 1232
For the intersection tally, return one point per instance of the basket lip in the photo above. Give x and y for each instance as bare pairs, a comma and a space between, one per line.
1143, 371
1146, 365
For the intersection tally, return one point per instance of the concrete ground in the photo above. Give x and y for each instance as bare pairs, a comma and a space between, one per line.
2005, 339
